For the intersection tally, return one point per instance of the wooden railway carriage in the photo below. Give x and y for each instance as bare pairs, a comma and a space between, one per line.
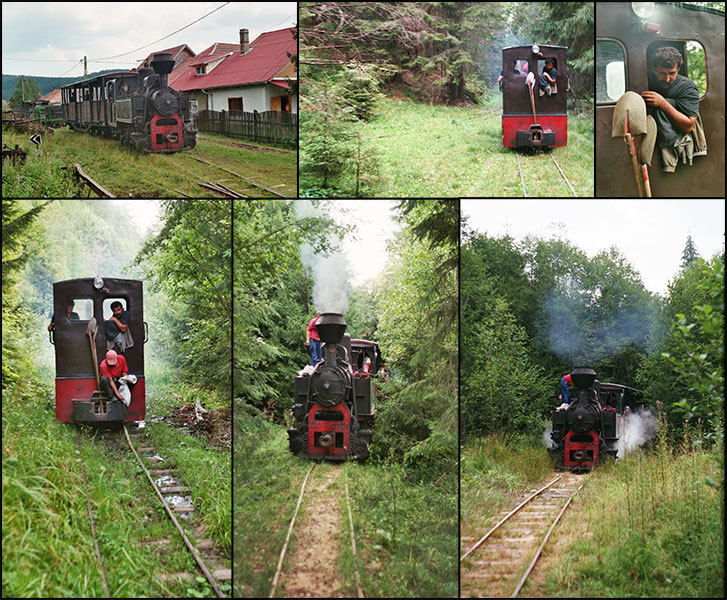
625, 41
550, 128
77, 398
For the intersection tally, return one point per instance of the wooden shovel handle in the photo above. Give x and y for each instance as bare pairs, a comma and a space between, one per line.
634, 163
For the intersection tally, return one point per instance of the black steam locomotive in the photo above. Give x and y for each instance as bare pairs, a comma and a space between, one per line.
589, 430
333, 409
138, 108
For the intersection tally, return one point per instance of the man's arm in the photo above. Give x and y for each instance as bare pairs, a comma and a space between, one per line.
678, 119
122, 327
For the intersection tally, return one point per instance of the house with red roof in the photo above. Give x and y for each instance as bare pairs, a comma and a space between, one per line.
181, 54
248, 77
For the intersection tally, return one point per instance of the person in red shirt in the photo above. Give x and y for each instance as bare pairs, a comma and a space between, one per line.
313, 341
112, 368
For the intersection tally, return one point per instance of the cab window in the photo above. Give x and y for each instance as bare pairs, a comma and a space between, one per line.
107, 312
82, 309
610, 71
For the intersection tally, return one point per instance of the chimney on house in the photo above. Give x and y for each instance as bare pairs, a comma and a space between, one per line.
244, 41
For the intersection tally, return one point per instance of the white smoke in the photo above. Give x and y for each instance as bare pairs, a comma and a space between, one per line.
546, 439
638, 427
329, 271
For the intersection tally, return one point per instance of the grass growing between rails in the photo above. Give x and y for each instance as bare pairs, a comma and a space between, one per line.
406, 532
48, 548
494, 470
127, 173
420, 150
650, 525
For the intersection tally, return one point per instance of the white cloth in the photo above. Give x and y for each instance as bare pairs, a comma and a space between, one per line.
123, 388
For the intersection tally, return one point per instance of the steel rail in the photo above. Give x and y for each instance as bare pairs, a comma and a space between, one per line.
359, 589
99, 558
246, 179
557, 166
189, 545
525, 576
506, 517
287, 537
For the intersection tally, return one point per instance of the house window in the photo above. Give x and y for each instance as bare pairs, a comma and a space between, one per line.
193, 108
234, 104
201, 69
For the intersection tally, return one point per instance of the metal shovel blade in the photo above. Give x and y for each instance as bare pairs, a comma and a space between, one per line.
92, 327
646, 152
633, 105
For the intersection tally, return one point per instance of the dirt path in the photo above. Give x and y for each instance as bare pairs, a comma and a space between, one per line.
313, 566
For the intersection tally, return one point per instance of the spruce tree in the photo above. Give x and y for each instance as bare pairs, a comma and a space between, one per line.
690, 254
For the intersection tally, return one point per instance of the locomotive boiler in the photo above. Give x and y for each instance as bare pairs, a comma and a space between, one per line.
138, 108
333, 407
588, 431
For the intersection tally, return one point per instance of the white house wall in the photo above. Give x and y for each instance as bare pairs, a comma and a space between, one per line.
254, 98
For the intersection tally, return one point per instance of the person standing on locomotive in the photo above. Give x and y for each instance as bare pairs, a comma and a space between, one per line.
564, 383
118, 336
313, 341
70, 315
674, 99
547, 79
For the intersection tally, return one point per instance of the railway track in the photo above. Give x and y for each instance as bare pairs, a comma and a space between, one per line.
283, 552
498, 564
557, 166
178, 504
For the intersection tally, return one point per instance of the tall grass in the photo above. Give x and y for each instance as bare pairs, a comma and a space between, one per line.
493, 471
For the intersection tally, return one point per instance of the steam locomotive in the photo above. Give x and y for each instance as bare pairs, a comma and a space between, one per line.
80, 346
333, 409
138, 108
589, 430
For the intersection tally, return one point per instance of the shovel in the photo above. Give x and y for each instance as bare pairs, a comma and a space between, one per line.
530, 81
629, 119
91, 331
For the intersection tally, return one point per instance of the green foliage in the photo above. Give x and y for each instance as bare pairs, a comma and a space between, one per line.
190, 260
26, 88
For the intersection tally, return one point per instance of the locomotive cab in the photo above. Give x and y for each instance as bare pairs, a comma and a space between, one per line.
79, 351
540, 121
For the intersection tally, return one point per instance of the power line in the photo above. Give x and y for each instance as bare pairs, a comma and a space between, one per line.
166, 36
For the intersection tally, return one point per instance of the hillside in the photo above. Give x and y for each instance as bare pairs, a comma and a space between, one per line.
45, 84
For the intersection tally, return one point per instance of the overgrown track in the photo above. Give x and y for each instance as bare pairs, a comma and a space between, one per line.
499, 563
175, 500
557, 166
281, 559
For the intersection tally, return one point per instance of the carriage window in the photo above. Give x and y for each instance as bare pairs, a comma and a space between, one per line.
541, 63
520, 67
107, 312
82, 309
610, 71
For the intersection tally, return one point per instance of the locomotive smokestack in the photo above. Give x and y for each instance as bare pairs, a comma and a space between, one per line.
583, 377
331, 327
162, 64
244, 41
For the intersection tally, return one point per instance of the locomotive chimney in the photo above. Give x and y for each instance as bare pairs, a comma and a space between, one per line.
583, 378
162, 64
330, 328
244, 41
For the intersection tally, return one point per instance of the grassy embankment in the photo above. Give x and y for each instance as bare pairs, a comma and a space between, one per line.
650, 525
127, 173
406, 532
439, 151
47, 542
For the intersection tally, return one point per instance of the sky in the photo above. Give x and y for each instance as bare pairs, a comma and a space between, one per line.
54, 35
651, 234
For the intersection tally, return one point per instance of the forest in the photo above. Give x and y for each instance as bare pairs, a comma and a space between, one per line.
186, 280
400, 99
411, 310
532, 310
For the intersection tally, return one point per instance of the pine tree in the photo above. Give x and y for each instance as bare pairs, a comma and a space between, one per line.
25, 89
690, 254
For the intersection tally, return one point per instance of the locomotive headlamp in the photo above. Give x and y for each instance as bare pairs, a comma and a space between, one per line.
536, 49
643, 10
98, 282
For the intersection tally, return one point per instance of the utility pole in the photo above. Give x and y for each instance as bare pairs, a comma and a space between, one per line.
22, 86
85, 68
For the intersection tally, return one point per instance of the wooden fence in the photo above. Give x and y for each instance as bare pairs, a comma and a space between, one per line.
272, 127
